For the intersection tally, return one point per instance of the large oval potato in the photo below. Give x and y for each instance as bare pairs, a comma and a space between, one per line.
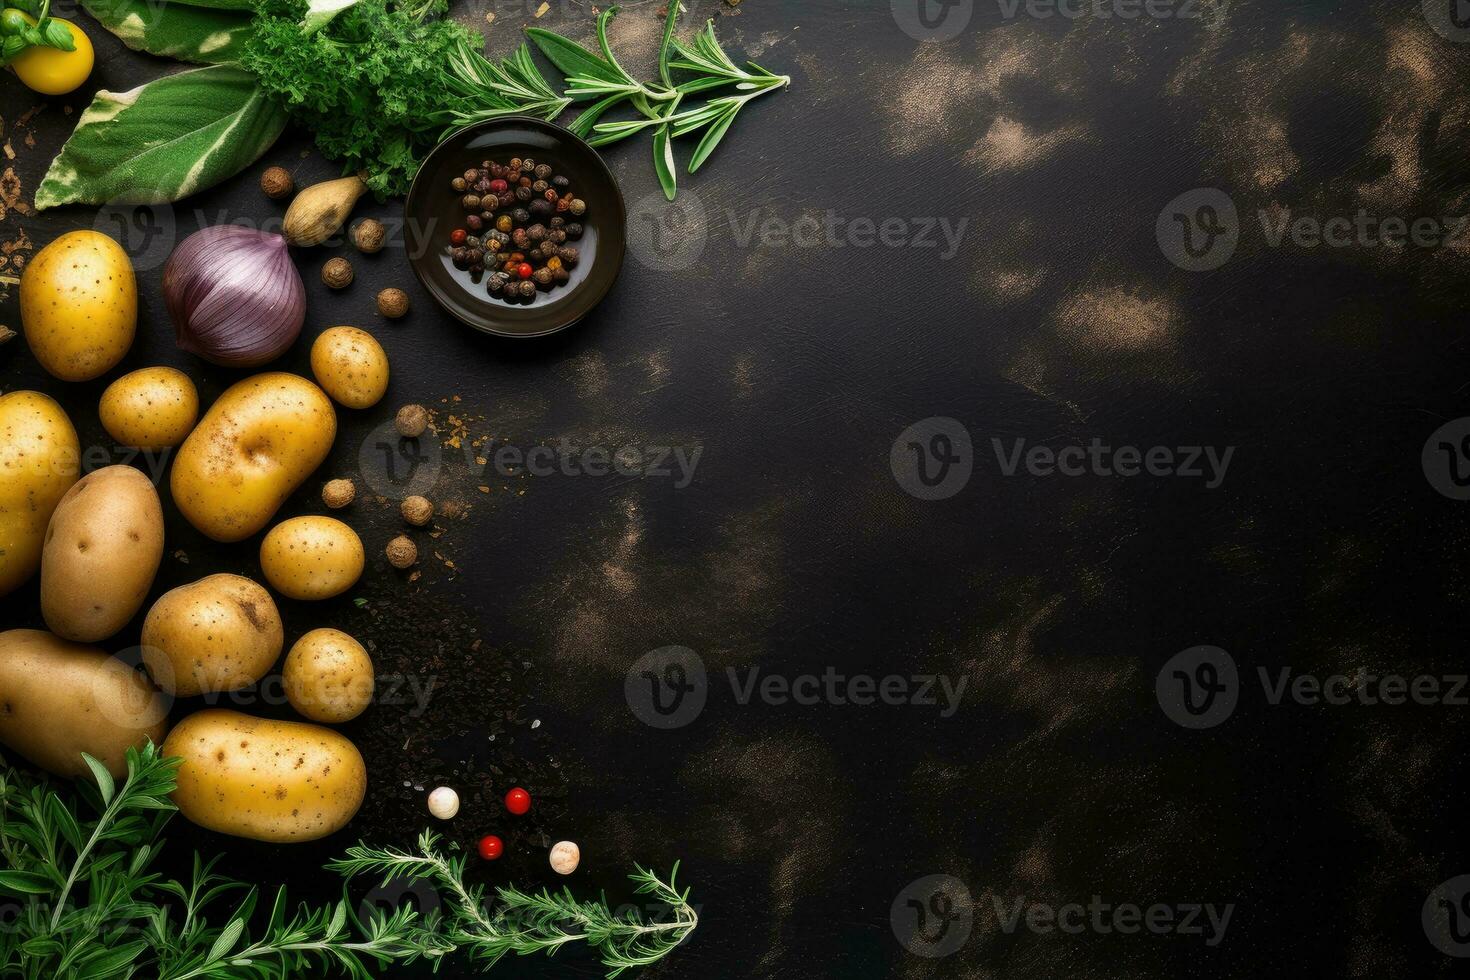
220, 633
255, 445
152, 408
39, 461
311, 557
60, 699
79, 305
103, 547
277, 781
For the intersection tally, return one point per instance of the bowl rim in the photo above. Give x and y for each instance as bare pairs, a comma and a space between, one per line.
616, 255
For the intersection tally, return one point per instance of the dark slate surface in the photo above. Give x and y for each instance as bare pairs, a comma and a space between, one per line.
1052, 145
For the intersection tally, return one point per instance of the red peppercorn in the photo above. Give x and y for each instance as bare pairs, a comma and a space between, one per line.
518, 801
457, 236
499, 187
525, 271
491, 847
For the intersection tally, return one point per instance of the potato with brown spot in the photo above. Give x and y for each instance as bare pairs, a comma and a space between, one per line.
152, 408
103, 547
328, 676
79, 305
255, 445
60, 699
351, 366
220, 633
40, 459
311, 557
275, 781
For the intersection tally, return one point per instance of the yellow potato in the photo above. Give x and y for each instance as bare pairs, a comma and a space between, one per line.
79, 305
351, 366
311, 557
39, 460
328, 676
277, 781
151, 408
60, 699
252, 448
220, 633
102, 550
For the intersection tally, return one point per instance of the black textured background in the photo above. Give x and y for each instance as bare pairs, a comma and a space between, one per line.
795, 368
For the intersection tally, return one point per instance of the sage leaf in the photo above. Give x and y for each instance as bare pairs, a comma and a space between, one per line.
243, 5
319, 13
196, 34
164, 140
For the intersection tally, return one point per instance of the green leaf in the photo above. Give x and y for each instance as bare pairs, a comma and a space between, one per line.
666, 47
663, 161
56, 35
319, 13
108, 964
712, 137
219, 4
164, 140
103, 777
227, 939
572, 59
25, 883
195, 34
583, 124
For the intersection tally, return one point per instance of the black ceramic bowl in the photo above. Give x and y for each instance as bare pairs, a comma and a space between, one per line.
433, 211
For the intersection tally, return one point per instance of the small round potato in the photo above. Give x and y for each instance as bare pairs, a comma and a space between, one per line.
79, 305
275, 781
220, 633
328, 676
151, 408
311, 557
103, 547
350, 366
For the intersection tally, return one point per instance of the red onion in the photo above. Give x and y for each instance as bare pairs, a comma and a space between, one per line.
234, 295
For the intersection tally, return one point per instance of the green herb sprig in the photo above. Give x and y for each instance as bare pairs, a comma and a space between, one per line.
527, 923
16, 36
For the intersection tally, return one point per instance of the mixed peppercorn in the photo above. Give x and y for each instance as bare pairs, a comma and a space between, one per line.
519, 217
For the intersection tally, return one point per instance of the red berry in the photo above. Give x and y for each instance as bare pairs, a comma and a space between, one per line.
498, 187
525, 271
491, 847
518, 801
457, 236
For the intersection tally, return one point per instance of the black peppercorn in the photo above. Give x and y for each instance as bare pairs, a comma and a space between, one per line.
562, 276
539, 187
544, 277
521, 239
561, 182
471, 175
569, 256
536, 233
477, 268
459, 184
497, 282
460, 257
485, 164
574, 231
474, 222
558, 222
470, 202
543, 171
523, 182
540, 208
524, 194
527, 289
497, 238
528, 166
506, 199
520, 216
556, 235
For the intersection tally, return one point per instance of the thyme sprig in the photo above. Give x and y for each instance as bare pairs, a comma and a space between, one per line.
485, 91
526, 923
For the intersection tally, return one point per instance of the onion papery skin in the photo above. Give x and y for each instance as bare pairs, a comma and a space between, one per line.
234, 296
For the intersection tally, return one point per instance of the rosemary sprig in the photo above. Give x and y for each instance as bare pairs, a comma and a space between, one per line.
482, 89
526, 923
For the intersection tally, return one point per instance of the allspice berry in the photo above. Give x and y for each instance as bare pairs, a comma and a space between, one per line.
338, 493
393, 303
417, 510
277, 183
369, 235
337, 273
412, 420
402, 552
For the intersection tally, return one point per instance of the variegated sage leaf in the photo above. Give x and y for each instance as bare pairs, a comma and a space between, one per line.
170, 30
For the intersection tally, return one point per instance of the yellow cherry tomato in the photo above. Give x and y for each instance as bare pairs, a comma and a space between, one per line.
52, 71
